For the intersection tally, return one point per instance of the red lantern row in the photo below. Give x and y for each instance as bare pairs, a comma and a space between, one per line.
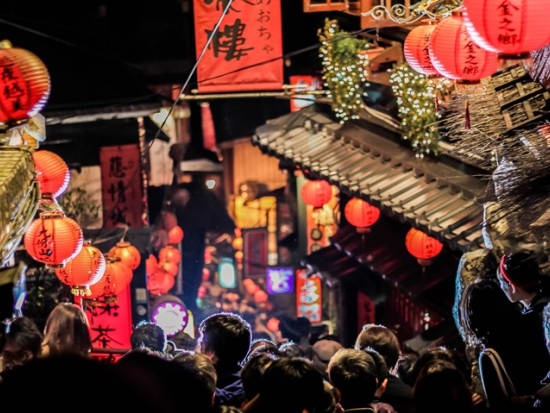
316, 193
361, 214
422, 246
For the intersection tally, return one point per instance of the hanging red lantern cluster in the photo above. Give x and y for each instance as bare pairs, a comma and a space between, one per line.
171, 254
116, 278
422, 246
508, 26
160, 282
361, 214
175, 235
455, 55
127, 253
316, 193
52, 173
53, 239
238, 243
161, 273
25, 84
417, 50
82, 271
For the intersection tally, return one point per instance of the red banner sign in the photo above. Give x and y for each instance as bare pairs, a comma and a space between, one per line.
121, 186
308, 296
249, 34
255, 251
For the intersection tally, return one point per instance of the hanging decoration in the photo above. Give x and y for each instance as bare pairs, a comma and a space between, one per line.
160, 283
417, 100
127, 253
422, 246
151, 264
238, 243
175, 235
169, 219
169, 267
84, 270
25, 84
417, 50
316, 193
456, 56
250, 286
508, 26
260, 296
205, 274
239, 256
53, 239
344, 69
116, 278
171, 254
52, 173
361, 214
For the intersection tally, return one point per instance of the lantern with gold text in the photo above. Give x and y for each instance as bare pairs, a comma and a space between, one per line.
160, 283
508, 26
175, 235
422, 246
316, 193
25, 84
116, 278
82, 271
127, 253
417, 50
361, 214
456, 56
171, 254
53, 239
52, 173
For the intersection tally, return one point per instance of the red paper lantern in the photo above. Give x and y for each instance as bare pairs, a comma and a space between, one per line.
205, 274
316, 193
175, 235
116, 278
239, 256
171, 254
151, 264
127, 253
421, 246
53, 239
417, 50
170, 267
361, 214
455, 55
238, 243
84, 270
160, 283
260, 296
25, 83
273, 324
52, 173
508, 26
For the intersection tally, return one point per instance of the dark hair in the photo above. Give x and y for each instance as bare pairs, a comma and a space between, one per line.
436, 354
22, 342
405, 367
262, 346
294, 329
381, 339
201, 368
291, 349
380, 364
291, 385
522, 269
353, 373
228, 336
253, 371
184, 341
66, 331
441, 387
149, 336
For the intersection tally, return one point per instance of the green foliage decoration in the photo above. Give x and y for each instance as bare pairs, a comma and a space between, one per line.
80, 206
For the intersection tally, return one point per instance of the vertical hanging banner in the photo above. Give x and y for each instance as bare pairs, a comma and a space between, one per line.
249, 33
308, 296
121, 186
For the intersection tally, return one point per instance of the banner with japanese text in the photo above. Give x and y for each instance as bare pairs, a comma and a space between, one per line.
249, 34
308, 296
121, 186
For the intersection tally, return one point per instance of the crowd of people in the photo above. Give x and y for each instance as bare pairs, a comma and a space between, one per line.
229, 368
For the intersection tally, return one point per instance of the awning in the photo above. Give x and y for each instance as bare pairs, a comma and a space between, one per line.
364, 159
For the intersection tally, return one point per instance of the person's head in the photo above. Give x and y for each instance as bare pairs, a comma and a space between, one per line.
382, 372
148, 336
262, 346
202, 373
66, 331
290, 349
295, 329
323, 350
405, 367
441, 387
381, 339
253, 371
184, 341
22, 342
519, 276
434, 354
353, 373
292, 385
225, 338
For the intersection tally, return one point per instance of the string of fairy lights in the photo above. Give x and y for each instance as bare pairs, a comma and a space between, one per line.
418, 99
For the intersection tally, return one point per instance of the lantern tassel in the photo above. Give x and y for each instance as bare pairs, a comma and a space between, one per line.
467, 120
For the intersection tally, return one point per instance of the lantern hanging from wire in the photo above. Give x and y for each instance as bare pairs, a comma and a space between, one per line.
160, 283
316, 193
417, 50
116, 278
361, 214
53, 239
84, 270
171, 254
456, 56
25, 84
52, 173
422, 246
127, 253
508, 26
170, 267
175, 235
238, 243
